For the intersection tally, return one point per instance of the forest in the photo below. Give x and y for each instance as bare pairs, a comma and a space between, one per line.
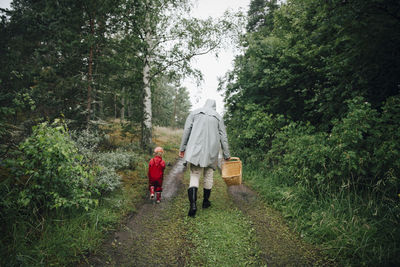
312, 107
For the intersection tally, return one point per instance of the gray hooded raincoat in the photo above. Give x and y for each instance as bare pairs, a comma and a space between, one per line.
203, 136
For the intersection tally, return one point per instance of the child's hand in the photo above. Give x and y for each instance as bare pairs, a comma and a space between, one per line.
181, 154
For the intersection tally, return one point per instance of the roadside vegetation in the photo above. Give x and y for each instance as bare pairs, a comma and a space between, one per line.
313, 110
69, 190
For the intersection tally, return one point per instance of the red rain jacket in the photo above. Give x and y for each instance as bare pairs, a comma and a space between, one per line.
156, 169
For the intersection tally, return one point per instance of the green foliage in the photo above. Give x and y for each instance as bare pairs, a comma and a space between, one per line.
117, 160
351, 157
171, 105
339, 189
314, 56
107, 178
48, 173
105, 164
35, 235
313, 104
252, 130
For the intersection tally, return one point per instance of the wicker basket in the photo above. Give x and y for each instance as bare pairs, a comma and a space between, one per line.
232, 171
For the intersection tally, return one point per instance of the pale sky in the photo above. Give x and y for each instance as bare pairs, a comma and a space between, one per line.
5, 3
211, 67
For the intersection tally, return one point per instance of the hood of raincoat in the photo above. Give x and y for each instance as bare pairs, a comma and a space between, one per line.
204, 134
209, 108
210, 103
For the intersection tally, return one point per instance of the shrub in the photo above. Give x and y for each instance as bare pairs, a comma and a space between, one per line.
108, 163
360, 153
48, 173
104, 164
107, 179
252, 130
116, 160
87, 140
340, 189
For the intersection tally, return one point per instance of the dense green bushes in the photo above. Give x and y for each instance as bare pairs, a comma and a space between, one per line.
55, 184
48, 173
340, 188
353, 156
313, 110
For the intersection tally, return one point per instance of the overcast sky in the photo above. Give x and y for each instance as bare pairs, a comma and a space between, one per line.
211, 67
5, 3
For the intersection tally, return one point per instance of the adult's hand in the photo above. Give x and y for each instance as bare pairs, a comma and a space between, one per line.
181, 154
228, 158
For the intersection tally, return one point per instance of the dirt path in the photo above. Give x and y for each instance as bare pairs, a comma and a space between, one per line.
159, 234
279, 245
151, 236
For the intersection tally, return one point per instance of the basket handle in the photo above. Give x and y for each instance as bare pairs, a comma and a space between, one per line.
234, 158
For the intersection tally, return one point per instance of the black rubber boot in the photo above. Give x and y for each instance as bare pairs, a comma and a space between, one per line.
192, 194
206, 202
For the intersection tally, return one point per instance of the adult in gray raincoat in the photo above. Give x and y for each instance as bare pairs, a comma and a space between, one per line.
203, 136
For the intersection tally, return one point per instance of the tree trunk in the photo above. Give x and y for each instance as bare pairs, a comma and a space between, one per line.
90, 74
129, 109
147, 114
123, 105
101, 108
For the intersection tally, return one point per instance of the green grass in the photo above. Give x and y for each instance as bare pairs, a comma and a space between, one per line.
350, 228
220, 235
64, 238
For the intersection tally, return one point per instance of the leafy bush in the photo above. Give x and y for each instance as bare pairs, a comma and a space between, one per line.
106, 179
48, 173
252, 130
360, 153
38, 233
104, 164
87, 140
340, 188
116, 160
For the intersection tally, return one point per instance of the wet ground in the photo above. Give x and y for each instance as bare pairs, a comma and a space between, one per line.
154, 235
144, 239
279, 245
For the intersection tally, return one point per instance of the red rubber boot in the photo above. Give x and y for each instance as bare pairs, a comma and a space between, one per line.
151, 192
158, 197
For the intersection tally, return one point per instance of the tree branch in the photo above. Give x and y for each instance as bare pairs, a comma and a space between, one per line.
187, 57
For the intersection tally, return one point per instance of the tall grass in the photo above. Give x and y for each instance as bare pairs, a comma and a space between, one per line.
339, 187
64, 237
355, 229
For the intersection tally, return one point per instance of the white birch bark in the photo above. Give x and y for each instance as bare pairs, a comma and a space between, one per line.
147, 118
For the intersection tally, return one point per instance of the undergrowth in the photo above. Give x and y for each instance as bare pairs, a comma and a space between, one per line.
350, 228
339, 188
63, 237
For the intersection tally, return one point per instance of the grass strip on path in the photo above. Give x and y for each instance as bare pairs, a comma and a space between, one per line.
220, 235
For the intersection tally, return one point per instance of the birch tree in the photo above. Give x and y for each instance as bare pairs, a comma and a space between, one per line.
171, 39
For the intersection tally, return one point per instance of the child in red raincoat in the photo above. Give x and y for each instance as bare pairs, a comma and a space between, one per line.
156, 174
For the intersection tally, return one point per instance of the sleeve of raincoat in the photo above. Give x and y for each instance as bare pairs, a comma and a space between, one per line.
223, 139
186, 132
